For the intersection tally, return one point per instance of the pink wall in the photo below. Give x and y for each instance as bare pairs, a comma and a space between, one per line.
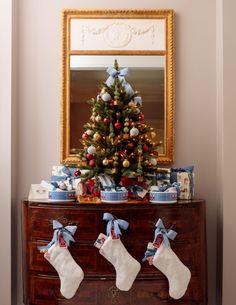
38, 97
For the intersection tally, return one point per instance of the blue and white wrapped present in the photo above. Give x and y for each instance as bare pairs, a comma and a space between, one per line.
61, 173
59, 195
114, 195
157, 195
185, 177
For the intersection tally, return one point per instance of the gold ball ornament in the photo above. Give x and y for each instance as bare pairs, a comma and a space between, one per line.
153, 134
126, 163
131, 104
105, 162
96, 137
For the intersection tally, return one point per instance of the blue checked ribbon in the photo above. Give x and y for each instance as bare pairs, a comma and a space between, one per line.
115, 224
66, 232
167, 234
121, 75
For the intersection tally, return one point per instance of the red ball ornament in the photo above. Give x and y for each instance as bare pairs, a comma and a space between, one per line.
141, 116
145, 147
121, 153
84, 136
117, 125
89, 156
111, 104
77, 173
92, 163
106, 120
155, 153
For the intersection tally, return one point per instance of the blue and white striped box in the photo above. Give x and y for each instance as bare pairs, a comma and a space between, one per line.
59, 195
114, 196
163, 197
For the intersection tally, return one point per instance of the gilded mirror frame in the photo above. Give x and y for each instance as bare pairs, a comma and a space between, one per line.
168, 15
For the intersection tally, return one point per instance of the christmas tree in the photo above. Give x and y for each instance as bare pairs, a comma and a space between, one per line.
117, 141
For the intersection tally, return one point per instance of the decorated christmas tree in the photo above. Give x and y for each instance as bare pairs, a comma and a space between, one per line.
117, 141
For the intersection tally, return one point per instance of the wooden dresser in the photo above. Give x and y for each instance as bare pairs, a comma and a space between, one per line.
41, 283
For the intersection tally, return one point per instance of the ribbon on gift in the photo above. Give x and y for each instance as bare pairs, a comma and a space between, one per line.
167, 187
106, 180
166, 234
135, 189
65, 232
114, 224
120, 74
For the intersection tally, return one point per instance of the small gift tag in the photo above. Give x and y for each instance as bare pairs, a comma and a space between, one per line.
100, 240
158, 241
113, 236
62, 242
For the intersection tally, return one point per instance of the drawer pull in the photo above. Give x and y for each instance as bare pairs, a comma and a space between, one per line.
113, 294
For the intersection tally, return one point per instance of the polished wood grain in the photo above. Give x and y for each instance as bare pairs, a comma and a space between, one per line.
42, 285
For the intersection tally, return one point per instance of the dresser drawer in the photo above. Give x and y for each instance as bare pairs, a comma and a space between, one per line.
142, 225
90, 260
46, 290
40, 221
86, 256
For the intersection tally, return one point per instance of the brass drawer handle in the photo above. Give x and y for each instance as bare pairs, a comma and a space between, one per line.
113, 294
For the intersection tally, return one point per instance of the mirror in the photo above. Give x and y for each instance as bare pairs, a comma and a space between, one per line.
139, 40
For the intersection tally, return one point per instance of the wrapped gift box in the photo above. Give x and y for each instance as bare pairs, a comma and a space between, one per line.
113, 196
162, 197
185, 177
59, 195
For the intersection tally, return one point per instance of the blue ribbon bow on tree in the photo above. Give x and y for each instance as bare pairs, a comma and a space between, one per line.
121, 75
66, 233
114, 224
166, 234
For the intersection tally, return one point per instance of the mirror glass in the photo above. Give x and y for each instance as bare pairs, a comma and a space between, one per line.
146, 75
142, 41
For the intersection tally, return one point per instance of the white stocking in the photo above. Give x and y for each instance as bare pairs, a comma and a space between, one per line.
68, 270
125, 265
176, 272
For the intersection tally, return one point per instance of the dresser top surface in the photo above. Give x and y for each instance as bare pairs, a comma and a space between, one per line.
180, 203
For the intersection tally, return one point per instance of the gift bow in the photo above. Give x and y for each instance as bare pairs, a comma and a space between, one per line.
114, 224
121, 75
67, 171
66, 232
135, 189
167, 234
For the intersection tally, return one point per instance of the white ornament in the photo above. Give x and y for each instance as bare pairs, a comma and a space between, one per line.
134, 132
89, 132
153, 162
91, 150
106, 97
98, 118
